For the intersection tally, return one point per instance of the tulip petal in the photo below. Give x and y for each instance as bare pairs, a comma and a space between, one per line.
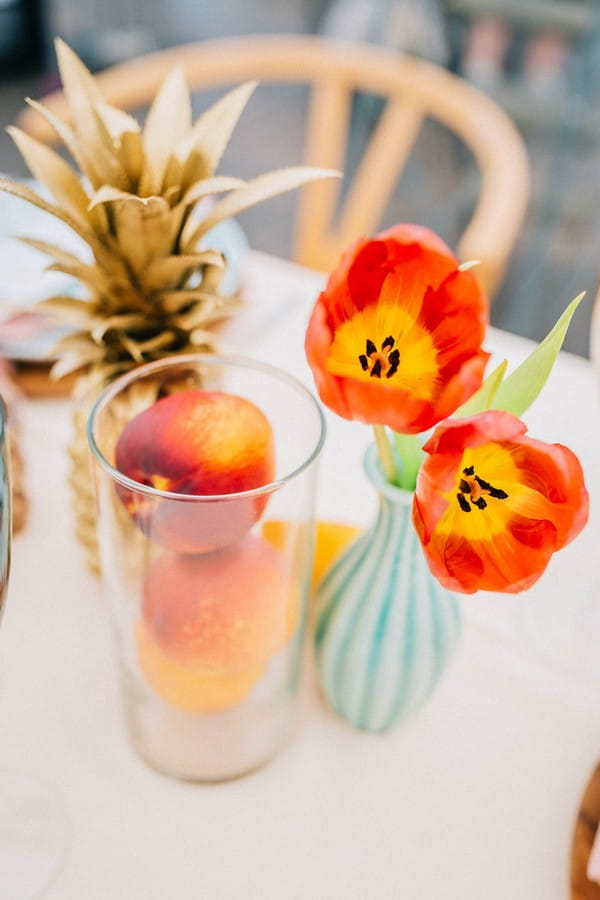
395, 337
492, 505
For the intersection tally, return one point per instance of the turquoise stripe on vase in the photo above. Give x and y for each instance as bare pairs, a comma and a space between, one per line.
384, 627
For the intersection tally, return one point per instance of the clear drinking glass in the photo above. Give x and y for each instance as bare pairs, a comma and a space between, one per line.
207, 593
32, 824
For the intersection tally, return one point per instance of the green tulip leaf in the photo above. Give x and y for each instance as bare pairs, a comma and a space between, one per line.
484, 397
521, 388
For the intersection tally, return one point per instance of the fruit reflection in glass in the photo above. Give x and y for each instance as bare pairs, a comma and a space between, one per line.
205, 472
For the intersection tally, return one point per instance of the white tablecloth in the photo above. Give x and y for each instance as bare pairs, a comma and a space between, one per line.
473, 799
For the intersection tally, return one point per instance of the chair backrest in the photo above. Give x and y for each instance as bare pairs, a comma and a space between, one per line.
594, 347
412, 89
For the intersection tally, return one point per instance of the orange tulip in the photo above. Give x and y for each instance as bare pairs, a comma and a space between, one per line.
491, 505
395, 337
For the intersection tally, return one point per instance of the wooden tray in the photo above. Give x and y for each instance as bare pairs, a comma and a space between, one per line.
583, 838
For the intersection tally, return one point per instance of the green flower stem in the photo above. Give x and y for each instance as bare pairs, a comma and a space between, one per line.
408, 451
386, 456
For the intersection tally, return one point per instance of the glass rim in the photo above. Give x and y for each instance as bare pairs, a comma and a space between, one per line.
213, 359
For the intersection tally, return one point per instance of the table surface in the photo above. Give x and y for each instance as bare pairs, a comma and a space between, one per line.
475, 797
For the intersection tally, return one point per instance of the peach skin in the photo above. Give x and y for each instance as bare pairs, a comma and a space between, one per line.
197, 443
226, 612
186, 687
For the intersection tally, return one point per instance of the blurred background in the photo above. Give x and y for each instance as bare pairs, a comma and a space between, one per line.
540, 59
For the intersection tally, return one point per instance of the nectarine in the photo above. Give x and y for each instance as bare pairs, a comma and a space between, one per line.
200, 443
187, 687
225, 612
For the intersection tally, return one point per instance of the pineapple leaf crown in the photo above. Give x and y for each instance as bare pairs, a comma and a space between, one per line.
152, 287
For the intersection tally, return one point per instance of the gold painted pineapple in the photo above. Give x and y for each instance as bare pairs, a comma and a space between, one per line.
152, 287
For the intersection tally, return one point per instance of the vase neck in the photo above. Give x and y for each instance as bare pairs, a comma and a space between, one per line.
390, 494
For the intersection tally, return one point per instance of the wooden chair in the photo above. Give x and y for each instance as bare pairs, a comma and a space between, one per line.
595, 332
413, 90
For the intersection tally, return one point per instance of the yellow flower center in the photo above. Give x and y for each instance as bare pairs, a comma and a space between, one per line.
490, 488
386, 342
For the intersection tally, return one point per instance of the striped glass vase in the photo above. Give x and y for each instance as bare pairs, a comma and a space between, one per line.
384, 627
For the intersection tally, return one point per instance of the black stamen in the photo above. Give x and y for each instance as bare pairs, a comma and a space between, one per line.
466, 488
389, 342
364, 362
376, 370
394, 361
497, 493
371, 348
463, 503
